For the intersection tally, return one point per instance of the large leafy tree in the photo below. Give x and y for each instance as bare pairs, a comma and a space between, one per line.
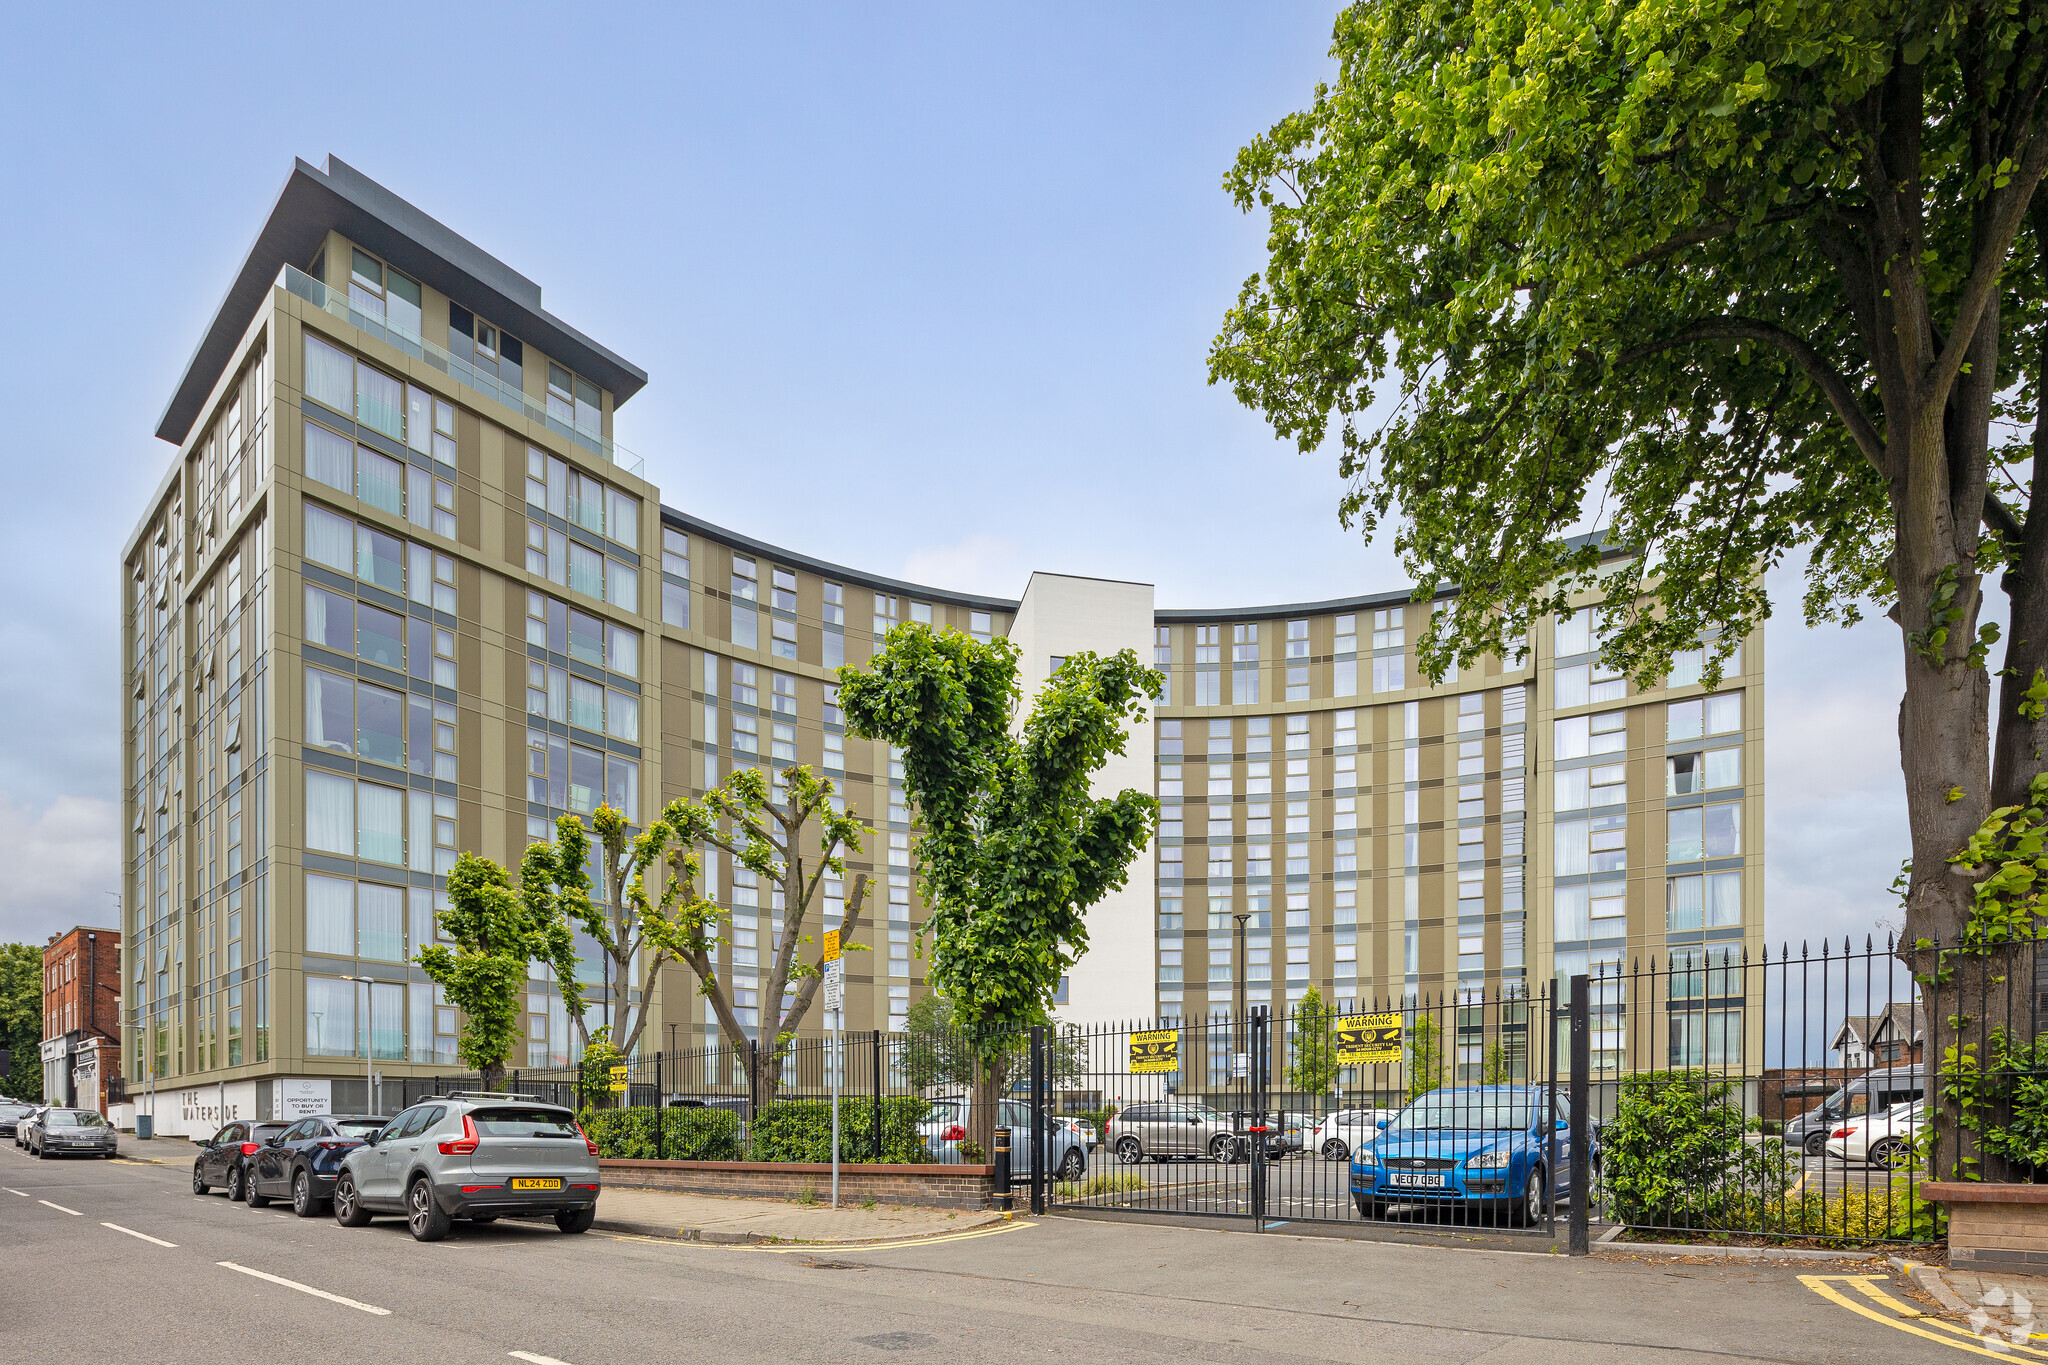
21, 1020
1755, 281
1016, 846
484, 974
1312, 1066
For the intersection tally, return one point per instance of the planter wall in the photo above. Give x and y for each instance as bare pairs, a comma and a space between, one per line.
1994, 1227
929, 1186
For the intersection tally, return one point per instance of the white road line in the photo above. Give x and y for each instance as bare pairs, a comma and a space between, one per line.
60, 1208
143, 1235
11, 1190
531, 1359
307, 1289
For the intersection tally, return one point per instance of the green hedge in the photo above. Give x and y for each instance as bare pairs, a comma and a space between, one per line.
801, 1130
686, 1134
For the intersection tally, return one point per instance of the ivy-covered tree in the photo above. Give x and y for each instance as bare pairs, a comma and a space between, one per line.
484, 974
1312, 1066
1016, 846
1758, 283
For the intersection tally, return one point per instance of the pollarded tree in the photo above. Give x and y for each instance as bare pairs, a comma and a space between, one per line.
1764, 281
1015, 846
1312, 1066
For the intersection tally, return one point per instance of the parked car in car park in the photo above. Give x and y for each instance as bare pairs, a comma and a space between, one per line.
303, 1162
12, 1112
1082, 1129
73, 1132
1884, 1139
1066, 1151
475, 1157
1873, 1092
1337, 1134
223, 1160
1163, 1130
1483, 1148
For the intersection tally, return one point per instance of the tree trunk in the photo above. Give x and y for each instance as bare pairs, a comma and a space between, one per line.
991, 1077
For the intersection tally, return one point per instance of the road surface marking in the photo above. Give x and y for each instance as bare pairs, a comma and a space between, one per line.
11, 1190
60, 1208
1821, 1285
143, 1235
307, 1289
531, 1359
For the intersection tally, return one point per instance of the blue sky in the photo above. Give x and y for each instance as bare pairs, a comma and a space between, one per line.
958, 266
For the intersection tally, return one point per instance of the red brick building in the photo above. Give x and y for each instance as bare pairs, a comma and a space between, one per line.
81, 1016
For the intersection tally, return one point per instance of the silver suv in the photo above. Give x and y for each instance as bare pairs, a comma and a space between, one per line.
1173, 1128
474, 1156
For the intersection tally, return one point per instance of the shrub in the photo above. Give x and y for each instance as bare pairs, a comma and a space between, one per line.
1108, 1182
801, 1130
686, 1134
1675, 1156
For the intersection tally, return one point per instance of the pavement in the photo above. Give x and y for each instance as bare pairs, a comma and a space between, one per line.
203, 1280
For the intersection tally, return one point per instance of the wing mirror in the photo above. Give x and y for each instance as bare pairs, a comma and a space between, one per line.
1379, 1123
1564, 1125
370, 1138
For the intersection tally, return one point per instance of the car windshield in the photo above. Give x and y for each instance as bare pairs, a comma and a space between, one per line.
74, 1118
547, 1123
14, 1111
946, 1112
360, 1127
1490, 1110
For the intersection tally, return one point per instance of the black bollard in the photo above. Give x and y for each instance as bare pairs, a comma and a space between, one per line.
1002, 1155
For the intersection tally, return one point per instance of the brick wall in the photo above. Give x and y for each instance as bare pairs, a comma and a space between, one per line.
1995, 1227
928, 1186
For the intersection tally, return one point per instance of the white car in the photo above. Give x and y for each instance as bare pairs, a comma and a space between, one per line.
1336, 1135
1080, 1128
1884, 1139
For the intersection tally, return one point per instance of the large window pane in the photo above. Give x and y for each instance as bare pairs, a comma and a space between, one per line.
1570, 915
1571, 837
1724, 713
380, 559
586, 639
380, 821
330, 620
622, 716
330, 1017
328, 457
380, 637
380, 402
1724, 899
1724, 768
623, 522
622, 650
1722, 833
330, 916
419, 733
380, 480
622, 787
380, 725
622, 585
586, 779
380, 922
330, 712
329, 539
387, 1020
746, 627
675, 606
330, 375
586, 704
586, 570
1682, 904
1683, 842
330, 813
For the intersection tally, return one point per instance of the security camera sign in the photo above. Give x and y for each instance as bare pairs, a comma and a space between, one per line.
1368, 1039
1155, 1052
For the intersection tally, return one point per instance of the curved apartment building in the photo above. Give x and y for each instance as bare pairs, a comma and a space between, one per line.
402, 595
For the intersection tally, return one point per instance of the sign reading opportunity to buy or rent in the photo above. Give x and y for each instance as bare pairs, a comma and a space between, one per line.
1368, 1039
1155, 1051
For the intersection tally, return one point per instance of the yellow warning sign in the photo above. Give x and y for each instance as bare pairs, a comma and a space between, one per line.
617, 1079
1155, 1051
1368, 1039
831, 945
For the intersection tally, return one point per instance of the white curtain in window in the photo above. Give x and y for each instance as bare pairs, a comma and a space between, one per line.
622, 585
1569, 914
330, 813
380, 922
330, 712
330, 376
330, 540
380, 819
1571, 848
328, 458
1724, 899
330, 1017
330, 915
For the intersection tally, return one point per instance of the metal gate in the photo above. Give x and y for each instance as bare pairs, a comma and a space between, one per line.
1277, 1119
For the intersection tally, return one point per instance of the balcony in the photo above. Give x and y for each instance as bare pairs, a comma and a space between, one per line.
334, 301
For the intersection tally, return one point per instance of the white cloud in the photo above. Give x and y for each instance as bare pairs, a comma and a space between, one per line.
63, 860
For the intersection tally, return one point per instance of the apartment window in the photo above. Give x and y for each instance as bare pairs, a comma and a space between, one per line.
885, 615
675, 605
1710, 901
1207, 648
1688, 666
1698, 832
783, 593
1706, 1037
1595, 845
1588, 683
1573, 634
1244, 654
782, 638
1389, 673
1578, 736
921, 611
782, 745
1162, 659
1720, 714
1687, 774
1297, 734
675, 553
979, 625
745, 685
485, 347
1208, 687
575, 400
1389, 628
1345, 731
833, 715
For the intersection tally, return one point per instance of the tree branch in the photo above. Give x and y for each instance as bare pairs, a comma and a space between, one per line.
1707, 232
2004, 225
1836, 388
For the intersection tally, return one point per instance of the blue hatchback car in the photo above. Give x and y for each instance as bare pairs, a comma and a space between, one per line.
1485, 1147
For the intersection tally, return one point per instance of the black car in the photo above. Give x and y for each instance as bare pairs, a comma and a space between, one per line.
224, 1158
12, 1113
300, 1163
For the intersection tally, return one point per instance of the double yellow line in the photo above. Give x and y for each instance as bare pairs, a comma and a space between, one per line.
1906, 1318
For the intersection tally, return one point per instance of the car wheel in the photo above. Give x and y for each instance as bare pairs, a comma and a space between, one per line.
42, 1152
575, 1220
1529, 1210
1891, 1154
235, 1178
1223, 1147
1335, 1150
348, 1205
303, 1202
1074, 1166
1815, 1144
199, 1186
423, 1217
256, 1201
1129, 1151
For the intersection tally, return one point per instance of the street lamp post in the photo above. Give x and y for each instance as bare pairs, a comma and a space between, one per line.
369, 1047
1243, 1046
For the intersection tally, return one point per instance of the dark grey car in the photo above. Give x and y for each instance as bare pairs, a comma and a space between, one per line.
477, 1157
73, 1132
1871, 1093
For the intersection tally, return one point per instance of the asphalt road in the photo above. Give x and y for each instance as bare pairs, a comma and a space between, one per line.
120, 1262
